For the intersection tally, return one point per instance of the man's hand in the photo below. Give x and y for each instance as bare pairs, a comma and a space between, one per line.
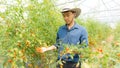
44, 49
41, 49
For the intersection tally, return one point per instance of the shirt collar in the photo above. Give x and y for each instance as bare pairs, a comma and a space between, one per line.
75, 26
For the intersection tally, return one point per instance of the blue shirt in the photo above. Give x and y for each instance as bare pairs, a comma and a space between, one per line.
76, 35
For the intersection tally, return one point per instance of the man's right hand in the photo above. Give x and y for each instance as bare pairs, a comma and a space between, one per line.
41, 49
44, 49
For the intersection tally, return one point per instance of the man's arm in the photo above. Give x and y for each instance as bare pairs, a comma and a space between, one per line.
84, 37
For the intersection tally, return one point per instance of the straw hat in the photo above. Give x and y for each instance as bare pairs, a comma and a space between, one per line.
76, 10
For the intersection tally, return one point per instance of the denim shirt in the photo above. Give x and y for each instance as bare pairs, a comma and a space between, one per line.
76, 35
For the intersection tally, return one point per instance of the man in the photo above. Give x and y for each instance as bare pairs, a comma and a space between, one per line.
71, 33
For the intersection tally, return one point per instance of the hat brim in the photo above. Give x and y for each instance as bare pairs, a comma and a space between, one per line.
76, 10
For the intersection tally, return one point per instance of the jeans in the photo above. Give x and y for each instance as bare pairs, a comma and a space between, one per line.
70, 65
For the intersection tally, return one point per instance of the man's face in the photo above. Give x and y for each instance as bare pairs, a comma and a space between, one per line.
68, 16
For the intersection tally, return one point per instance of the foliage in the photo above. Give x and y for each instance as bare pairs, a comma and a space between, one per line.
25, 28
